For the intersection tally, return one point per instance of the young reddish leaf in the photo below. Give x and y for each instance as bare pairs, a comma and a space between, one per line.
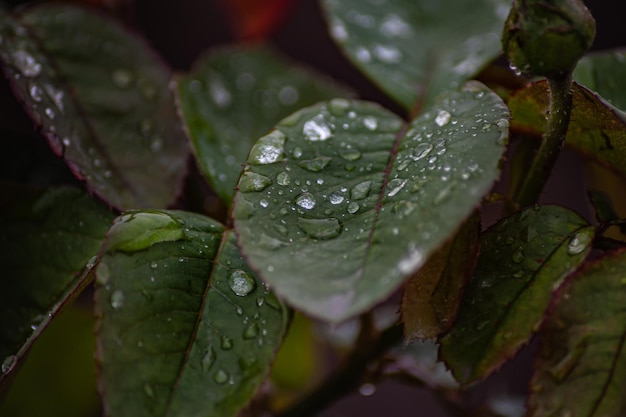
48, 246
184, 328
253, 19
431, 297
413, 49
101, 98
234, 96
522, 259
355, 201
597, 130
580, 369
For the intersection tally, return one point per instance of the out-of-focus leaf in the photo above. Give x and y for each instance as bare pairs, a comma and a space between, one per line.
234, 96
343, 201
603, 206
522, 259
597, 129
416, 49
47, 247
58, 377
101, 98
605, 73
581, 364
253, 19
432, 296
184, 327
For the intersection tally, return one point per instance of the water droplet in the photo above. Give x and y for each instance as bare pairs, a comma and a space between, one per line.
350, 154
153, 265
8, 363
117, 299
395, 186
361, 190
443, 118
147, 388
367, 390
226, 343
338, 106
283, 179
221, 377
251, 331
518, 255
50, 113
388, 54
26, 64
297, 152
269, 149
316, 164
288, 95
320, 228
393, 25
260, 301
122, 78
251, 181
363, 55
370, 122
264, 203
36, 93
353, 207
306, 201
220, 95
317, 129
336, 197
241, 283
578, 243
421, 151
208, 358
412, 260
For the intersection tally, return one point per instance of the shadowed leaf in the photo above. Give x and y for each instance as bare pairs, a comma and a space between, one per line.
523, 258
234, 96
581, 365
354, 200
48, 244
184, 327
414, 50
101, 98
605, 73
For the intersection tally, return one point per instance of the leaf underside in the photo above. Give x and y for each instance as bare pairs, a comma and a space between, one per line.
184, 328
522, 260
101, 98
354, 201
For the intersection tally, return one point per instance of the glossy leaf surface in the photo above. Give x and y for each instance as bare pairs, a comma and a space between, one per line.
48, 243
522, 259
184, 328
234, 96
581, 364
414, 50
431, 298
597, 129
343, 202
101, 98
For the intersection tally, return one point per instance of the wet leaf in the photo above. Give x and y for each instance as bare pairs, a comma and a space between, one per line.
414, 50
184, 327
597, 130
522, 259
604, 72
431, 297
355, 201
48, 245
581, 364
101, 98
234, 96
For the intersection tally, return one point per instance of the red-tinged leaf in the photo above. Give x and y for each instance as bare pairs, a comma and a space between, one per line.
432, 296
580, 369
253, 19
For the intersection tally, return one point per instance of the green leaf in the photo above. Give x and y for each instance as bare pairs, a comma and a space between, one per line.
47, 247
101, 97
414, 50
184, 327
522, 259
350, 201
604, 72
597, 130
580, 369
431, 298
234, 96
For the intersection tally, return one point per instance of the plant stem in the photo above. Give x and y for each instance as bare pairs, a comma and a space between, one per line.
347, 377
552, 142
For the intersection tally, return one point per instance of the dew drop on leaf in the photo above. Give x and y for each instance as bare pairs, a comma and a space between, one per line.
8, 363
338, 106
26, 64
361, 190
350, 154
241, 283
122, 78
36, 93
317, 129
518, 256
208, 358
226, 343
422, 150
221, 377
251, 181
395, 186
443, 118
320, 228
283, 179
117, 299
306, 201
336, 197
316, 164
578, 243
251, 331
370, 122
353, 207
269, 149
